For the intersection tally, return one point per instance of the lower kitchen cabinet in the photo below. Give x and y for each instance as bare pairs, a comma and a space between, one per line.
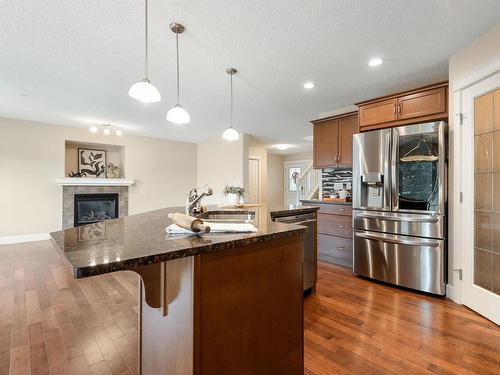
335, 234
334, 249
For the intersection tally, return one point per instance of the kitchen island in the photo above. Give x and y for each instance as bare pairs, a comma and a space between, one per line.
211, 304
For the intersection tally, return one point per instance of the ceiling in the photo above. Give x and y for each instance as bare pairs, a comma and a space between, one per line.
72, 62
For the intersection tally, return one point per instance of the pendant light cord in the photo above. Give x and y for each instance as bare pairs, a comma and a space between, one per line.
231, 99
146, 38
177, 47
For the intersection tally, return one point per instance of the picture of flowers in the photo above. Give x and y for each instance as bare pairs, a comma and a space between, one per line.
92, 163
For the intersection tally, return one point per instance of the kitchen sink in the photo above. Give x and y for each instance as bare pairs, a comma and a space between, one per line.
226, 216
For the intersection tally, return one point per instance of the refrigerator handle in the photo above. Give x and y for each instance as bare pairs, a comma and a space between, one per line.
394, 170
395, 240
387, 172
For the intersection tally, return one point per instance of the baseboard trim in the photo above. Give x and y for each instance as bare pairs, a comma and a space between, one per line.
25, 238
453, 294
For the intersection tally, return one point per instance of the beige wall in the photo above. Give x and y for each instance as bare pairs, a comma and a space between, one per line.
275, 181
32, 157
484, 48
301, 156
221, 163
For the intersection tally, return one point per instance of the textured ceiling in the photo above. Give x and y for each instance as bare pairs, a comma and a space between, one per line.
72, 62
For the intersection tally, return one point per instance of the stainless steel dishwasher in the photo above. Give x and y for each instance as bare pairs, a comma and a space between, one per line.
309, 271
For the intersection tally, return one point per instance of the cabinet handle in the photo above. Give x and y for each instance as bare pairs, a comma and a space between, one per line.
394, 109
340, 158
340, 209
341, 248
342, 226
399, 108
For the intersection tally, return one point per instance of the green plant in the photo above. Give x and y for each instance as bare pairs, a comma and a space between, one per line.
238, 190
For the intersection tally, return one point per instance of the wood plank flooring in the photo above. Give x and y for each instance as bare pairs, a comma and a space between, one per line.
51, 323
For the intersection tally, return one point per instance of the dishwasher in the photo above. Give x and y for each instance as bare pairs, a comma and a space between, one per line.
309, 268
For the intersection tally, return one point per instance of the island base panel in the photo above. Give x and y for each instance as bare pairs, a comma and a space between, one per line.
236, 311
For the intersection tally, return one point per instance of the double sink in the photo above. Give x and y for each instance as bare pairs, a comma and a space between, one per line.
226, 216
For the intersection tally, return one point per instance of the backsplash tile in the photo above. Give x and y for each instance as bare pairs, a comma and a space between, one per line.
331, 176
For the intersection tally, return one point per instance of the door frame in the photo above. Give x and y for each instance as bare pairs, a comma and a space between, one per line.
456, 194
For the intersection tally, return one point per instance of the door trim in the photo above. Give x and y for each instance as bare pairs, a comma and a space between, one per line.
457, 85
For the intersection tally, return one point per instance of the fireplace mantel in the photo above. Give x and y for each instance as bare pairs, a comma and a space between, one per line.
76, 181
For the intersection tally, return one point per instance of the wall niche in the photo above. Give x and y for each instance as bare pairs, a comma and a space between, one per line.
115, 155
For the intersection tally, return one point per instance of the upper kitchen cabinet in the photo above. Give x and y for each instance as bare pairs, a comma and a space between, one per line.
332, 140
425, 104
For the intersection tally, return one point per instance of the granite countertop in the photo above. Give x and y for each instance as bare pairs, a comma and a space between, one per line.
137, 240
305, 202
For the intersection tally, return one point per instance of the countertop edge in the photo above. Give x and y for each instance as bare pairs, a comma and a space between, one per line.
131, 264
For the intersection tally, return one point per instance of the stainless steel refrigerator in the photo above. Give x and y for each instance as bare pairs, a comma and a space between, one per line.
399, 205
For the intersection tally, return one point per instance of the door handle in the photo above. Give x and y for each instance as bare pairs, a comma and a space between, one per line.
395, 240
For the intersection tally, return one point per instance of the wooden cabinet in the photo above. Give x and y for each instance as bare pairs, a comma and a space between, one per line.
335, 234
325, 144
378, 112
332, 140
424, 104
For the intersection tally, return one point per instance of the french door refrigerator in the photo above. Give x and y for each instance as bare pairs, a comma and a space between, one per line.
399, 206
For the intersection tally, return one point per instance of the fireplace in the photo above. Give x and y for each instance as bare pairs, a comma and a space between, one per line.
91, 208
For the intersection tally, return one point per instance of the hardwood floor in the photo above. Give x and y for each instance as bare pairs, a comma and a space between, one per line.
51, 323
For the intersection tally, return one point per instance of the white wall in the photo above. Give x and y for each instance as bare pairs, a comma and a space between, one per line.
221, 163
32, 157
477, 53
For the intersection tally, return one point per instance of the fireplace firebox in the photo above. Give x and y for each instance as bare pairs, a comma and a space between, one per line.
92, 208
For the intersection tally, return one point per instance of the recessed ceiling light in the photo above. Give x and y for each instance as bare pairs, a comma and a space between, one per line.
309, 85
282, 147
375, 61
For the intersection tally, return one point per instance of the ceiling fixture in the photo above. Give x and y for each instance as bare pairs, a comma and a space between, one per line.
144, 90
107, 129
231, 134
282, 147
375, 61
177, 114
309, 85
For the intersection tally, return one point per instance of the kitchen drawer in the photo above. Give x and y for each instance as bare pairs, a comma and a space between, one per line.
336, 209
336, 250
335, 225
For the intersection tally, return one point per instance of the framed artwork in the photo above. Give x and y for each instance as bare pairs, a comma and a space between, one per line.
293, 175
92, 163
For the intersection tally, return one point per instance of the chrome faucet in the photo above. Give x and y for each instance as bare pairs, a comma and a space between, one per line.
193, 200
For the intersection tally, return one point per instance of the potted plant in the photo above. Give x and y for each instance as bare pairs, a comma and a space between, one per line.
234, 194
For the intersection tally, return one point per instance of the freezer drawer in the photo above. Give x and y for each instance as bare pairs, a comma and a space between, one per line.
412, 262
418, 225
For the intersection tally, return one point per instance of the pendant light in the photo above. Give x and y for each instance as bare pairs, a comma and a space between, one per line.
144, 91
177, 114
231, 134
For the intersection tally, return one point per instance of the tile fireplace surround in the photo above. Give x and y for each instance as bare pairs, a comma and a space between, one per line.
69, 200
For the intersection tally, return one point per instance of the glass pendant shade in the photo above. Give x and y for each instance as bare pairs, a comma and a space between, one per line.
178, 115
145, 92
231, 134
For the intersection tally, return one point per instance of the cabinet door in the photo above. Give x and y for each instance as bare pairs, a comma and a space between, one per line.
423, 103
347, 127
325, 144
378, 113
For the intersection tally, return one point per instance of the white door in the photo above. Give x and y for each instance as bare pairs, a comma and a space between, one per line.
253, 180
480, 184
293, 169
